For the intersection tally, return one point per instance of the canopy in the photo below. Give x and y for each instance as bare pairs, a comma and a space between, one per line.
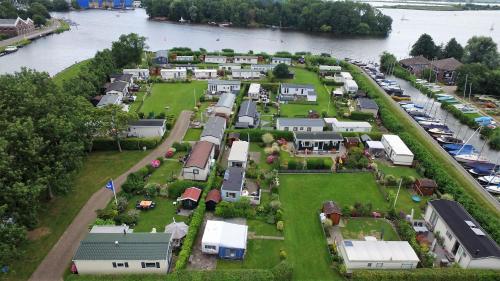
177, 229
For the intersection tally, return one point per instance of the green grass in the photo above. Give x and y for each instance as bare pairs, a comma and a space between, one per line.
260, 227
397, 171
137, 104
159, 217
358, 228
254, 147
193, 134
55, 216
260, 254
177, 96
285, 157
69, 72
170, 167
405, 203
302, 197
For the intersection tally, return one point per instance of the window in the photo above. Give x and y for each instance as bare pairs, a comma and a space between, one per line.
294, 129
230, 195
210, 247
306, 143
308, 129
406, 265
369, 264
151, 264
448, 234
196, 171
302, 128
114, 264
379, 264
126, 264
120, 264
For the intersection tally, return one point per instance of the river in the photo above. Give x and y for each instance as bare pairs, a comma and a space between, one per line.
98, 28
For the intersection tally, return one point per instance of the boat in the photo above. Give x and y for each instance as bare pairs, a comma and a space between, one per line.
429, 119
495, 189
430, 123
481, 165
11, 49
449, 140
461, 152
484, 121
401, 97
466, 158
490, 179
482, 172
456, 146
438, 131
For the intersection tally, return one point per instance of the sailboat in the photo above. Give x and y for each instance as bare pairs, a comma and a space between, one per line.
495, 189
490, 179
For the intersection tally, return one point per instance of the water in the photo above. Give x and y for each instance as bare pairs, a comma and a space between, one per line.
98, 28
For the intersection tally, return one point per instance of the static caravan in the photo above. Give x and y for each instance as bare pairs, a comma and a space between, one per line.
246, 59
229, 66
205, 73
213, 131
226, 240
350, 86
245, 74
147, 128
216, 86
397, 150
348, 126
138, 73
197, 166
277, 60
173, 74
184, 58
224, 106
215, 59
263, 68
238, 155
254, 91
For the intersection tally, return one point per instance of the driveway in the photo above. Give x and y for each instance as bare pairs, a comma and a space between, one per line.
58, 259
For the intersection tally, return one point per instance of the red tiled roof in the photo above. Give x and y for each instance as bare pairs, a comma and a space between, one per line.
213, 195
418, 60
449, 64
200, 155
191, 193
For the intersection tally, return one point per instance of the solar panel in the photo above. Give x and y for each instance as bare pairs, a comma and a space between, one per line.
478, 231
469, 223
348, 243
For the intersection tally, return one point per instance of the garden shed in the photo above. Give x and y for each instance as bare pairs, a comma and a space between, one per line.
425, 187
190, 198
332, 211
213, 198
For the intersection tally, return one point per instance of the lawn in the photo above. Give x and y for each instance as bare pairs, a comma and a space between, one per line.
302, 197
260, 254
177, 96
397, 171
193, 134
159, 217
69, 72
55, 217
405, 203
137, 104
303, 76
358, 228
260, 227
170, 167
285, 157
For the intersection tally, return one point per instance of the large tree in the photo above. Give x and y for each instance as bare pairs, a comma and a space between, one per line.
425, 46
281, 71
475, 74
453, 49
128, 50
115, 121
483, 50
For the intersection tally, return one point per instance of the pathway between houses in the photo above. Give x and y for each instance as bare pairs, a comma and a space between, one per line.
58, 259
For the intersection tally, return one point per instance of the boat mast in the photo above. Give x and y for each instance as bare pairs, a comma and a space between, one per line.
477, 130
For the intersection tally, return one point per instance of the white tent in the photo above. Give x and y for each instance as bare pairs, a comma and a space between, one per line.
177, 229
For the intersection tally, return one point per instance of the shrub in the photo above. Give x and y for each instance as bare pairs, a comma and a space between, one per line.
283, 254
133, 184
181, 146
361, 116
122, 204
292, 165
390, 180
267, 138
151, 189
107, 214
129, 218
280, 225
256, 134
100, 221
241, 208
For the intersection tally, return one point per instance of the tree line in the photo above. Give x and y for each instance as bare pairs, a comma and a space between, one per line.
335, 17
45, 132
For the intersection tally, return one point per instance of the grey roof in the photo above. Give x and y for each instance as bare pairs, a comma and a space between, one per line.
418, 60
244, 70
365, 137
7, 22
449, 64
305, 86
262, 65
304, 122
233, 177
148, 123
131, 246
214, 127
248, 108
161, 53
325, 135
226, 100
122, 77
455, 216
224, 82
366, 103
108, 99
118, 86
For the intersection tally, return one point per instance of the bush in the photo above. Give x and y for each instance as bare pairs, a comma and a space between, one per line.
151, 189
129, 218
361, 116
181, 146
283, 254
280, 225
108, 144
176, 189
428, 274
100, 221
267, 138
122, 204
133, 184
241, 208
106, 214
256, 134
292, 165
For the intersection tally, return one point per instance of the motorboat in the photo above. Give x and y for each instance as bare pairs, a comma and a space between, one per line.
456, 146
466, 158
449, 140
433, 126
483, 172
438, 131
489, 179
468, 110
429, 119
484, 121
495, 189
428, 123
11, 49
481, 165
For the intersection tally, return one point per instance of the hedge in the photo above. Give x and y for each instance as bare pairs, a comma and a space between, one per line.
106, 144
256, 134
361, 116
427, 274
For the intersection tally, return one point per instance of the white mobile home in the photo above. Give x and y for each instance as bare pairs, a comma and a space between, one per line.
229, 66
147, 128
263, 68
184, 58
216, 86
293, 92
138, 73
215, 59
245, 74
344, 76
213, 131
233, 183
248, 117
350, 86
300, 124
227, 240
348, 126
377, 255
246, 59
397, 150
277, 60
254, 91
205, 73
173, 74
238, 155
329, 68
224, 106
197, 166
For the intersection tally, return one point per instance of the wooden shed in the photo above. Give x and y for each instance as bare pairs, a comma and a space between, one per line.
212, 199
351, 142
190, 198
332, 211
425, 187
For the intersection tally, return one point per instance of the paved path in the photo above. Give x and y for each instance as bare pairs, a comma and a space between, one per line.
37, 33
480, 190
58, 259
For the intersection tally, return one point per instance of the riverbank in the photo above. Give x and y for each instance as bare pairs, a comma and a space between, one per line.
444, 7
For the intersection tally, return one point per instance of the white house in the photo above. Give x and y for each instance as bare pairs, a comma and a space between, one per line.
278, 60
147, 128
377, 255
344, 76
397, 150
232, 185
215, 59
110, 99
348, 126
224, 106
292, 92
465, 240
263, 68
350, 86
229, 66
173, 74
227, 240
138, 73
191, 67
246, 59
119, 253
238, 154
300, 124
245, 74
213, 131
216, 86
254, 91
248, 116
197, 166
117, 87
205, 73
184, 58
329, 68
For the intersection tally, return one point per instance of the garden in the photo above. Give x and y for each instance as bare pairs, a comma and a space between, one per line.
358, 228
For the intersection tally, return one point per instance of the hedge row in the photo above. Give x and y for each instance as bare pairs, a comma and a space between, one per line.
427, 274
432, 168
256, 134
105, 144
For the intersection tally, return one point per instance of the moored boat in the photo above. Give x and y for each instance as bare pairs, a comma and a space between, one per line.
467, 158
449, 140
495, 189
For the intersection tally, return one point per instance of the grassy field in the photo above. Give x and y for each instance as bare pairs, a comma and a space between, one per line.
303, 76
260, 227
55, 217
169, 168
285, 157
69, 72
302, 196
193, 134
397, 171
260, 254
177, 96
158, 218
358, 228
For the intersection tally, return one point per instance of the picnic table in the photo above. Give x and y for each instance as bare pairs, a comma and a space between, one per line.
145, 204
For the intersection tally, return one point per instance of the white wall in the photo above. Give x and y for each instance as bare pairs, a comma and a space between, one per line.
205, 74
215, 59
146, 132
224, 88
229, 67
173, 75
222, 110
245, 60
106, 267
210, 251
246, 119
298, 128
278, 61
211, 139
188, 173
246, 75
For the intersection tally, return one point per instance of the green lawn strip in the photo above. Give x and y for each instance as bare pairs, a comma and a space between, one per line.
285, 157
260, 227
159, 217
397, 171
177, 96
135, 106
69, 72
193, 134
260, 254
358, 228
169, 169
263, 165
405, 203
302, 197
56, 216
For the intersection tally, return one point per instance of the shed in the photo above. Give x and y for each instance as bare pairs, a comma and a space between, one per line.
227, 240
232, 137
351, 142
367, 105
213, 198
425, 186
397, 150
190, 198
375, 148
364, 138
332, 211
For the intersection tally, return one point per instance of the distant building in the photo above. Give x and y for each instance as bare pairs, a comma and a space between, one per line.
248, 117
147, 128
138, 73
300, 124
246, 59
161, 57
216, 86
224, 106
367, 105
278, 60
263, 68
173, 74
348, 126
229, 66
245, 74
293, 92
184, 58
415, 64
205, 73
446, 69
215, 59
15, 27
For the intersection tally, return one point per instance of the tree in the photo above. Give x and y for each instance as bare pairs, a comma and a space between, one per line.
482, 50
281, 71
60, 5
39, 20
38, 9
424, 46
476, 74
12, 235
128, 50
115, 122
387, 62
453, 50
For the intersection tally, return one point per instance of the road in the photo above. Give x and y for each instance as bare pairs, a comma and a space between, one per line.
480, 190
37, 33
53, 266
